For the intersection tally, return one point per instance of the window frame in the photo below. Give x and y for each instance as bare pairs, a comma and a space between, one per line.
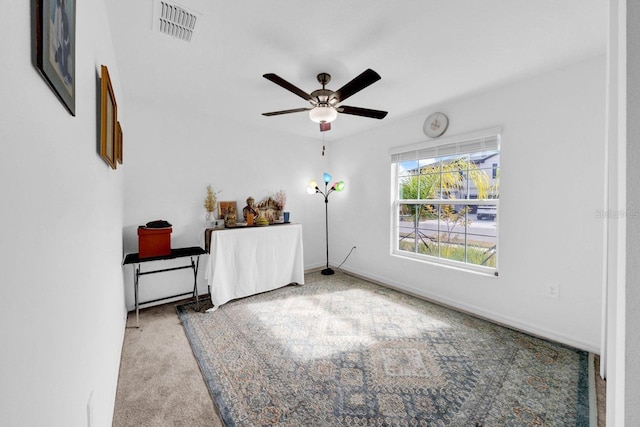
468, 143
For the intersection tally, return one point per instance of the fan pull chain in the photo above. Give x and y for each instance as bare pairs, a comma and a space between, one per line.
323, 151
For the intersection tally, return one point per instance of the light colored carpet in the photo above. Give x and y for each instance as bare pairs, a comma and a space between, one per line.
160, 383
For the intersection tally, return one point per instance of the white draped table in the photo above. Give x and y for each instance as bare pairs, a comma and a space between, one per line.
251, 260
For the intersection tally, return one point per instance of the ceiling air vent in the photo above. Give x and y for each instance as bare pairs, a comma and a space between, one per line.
174, 20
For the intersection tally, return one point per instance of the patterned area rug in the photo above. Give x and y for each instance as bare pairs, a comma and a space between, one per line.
340, 351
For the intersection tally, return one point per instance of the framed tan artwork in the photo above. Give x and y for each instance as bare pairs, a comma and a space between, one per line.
223, 208
108, 119
119, 143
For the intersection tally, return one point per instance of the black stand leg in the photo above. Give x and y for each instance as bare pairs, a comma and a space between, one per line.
136, 275
327, 271
194, 266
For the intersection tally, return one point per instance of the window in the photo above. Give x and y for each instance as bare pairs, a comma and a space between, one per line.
446, 200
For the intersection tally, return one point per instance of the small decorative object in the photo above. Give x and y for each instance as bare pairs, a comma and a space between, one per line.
268, 208
314, 189
210, 220
223, 208
285, 216
210, 206
108, 119
56, 48
262, 220
435, 125
230, 218
249, 210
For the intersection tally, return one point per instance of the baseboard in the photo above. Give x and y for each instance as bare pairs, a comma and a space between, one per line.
497, 318
313, 269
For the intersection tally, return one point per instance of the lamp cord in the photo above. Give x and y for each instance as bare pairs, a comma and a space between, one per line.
345, 259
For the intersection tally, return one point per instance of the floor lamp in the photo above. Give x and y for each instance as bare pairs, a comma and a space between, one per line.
313, 189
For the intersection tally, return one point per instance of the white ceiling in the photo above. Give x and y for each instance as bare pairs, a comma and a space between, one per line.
427, 52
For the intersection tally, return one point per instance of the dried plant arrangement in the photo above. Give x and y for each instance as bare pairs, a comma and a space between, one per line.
281, 199
210, 200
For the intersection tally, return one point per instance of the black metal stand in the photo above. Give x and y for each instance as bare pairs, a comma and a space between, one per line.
327, 271
313, 187
191, 252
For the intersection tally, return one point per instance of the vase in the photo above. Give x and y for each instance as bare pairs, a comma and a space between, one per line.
210, 219
286, 216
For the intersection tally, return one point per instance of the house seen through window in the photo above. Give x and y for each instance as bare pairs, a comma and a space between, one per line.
447, 199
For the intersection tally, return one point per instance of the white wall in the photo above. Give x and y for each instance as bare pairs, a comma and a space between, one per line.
552, 187
61, 294
171, 160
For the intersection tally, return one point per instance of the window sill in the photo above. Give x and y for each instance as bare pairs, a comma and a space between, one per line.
453, 265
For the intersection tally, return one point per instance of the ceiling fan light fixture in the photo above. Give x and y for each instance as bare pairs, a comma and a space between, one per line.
325, 102
323, 114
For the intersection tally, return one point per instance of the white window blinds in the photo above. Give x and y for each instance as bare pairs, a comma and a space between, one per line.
484, 140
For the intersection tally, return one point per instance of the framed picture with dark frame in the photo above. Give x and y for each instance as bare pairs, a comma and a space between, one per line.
119, 143
56, 48
108, 119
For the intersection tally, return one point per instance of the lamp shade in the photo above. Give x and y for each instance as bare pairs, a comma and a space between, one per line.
323, 114
339, 186
313, 186
326, 177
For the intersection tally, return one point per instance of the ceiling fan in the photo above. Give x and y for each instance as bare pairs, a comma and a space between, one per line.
324, 102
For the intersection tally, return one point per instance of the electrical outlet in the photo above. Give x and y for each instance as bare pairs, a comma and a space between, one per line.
554, 291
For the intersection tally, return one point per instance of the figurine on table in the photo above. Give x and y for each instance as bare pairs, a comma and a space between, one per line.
250, 209
230, 218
